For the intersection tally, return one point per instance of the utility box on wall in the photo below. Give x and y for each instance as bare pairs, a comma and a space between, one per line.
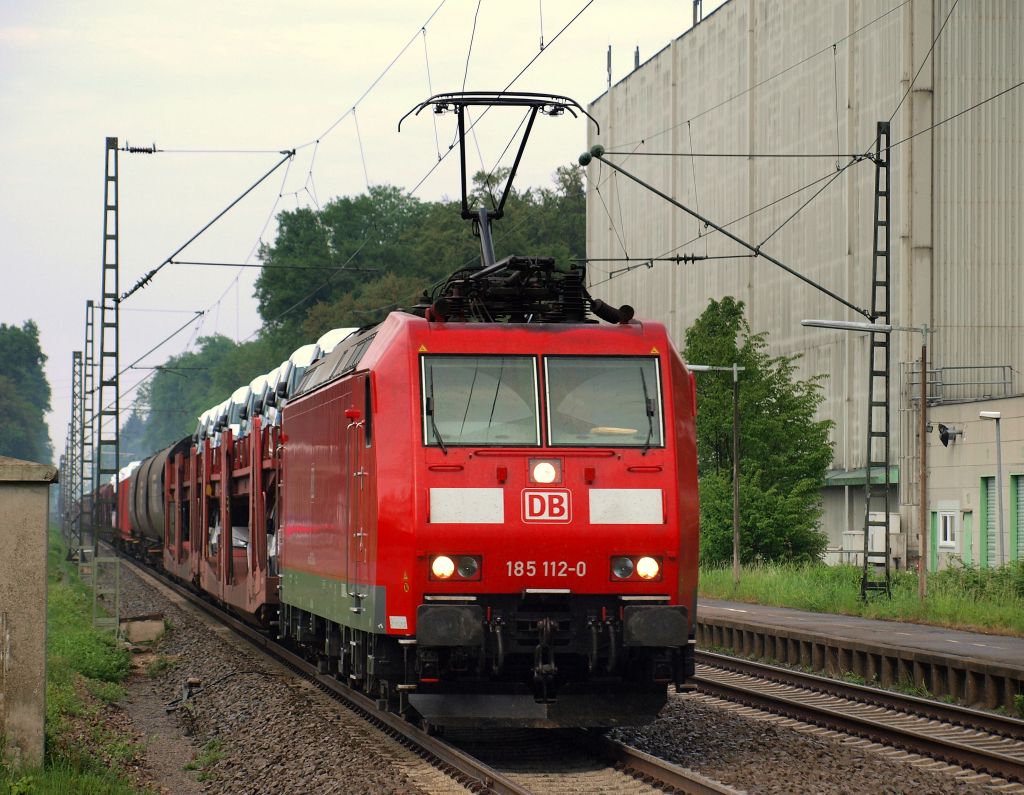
24, 521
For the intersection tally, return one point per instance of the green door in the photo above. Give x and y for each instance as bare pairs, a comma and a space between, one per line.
987, 503
933, 544
1016, 515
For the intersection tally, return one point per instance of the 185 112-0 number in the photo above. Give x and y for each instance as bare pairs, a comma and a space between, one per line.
547, 568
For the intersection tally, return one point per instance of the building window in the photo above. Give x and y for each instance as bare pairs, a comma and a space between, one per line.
947, 529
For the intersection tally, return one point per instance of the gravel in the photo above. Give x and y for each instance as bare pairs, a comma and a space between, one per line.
274, 733
765, 755
256, 728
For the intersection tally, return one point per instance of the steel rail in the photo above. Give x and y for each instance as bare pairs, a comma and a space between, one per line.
854, 709
981, 720
645, 766
462, 767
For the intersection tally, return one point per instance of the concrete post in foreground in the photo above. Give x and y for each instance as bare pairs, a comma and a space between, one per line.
24, 520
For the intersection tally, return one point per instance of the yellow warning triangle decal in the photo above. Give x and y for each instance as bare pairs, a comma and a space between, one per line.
654, 350
423, 348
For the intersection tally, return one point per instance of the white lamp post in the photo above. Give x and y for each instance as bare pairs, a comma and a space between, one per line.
995, 415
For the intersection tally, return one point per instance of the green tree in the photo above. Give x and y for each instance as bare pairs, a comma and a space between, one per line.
339, 266
24, 393
187, 385
784, 451
131, 439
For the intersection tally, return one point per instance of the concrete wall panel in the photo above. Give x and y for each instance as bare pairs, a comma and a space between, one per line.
24, 506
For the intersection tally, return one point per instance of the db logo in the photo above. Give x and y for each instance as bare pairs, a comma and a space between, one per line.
546, 506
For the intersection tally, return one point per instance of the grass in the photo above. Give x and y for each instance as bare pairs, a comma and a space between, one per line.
986, 600
212, 752
160, 664
85, 672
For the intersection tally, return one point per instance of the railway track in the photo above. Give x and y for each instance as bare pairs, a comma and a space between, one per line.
540, 761
983, 741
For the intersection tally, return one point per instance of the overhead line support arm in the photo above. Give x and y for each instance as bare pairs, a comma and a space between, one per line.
597, 152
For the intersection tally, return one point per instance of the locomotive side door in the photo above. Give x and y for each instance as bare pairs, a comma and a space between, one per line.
361, 516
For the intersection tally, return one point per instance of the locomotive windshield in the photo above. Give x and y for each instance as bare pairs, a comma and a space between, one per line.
598, 401
480, 400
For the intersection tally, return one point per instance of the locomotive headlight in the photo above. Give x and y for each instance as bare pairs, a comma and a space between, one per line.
622, 567
468, 567
648, 568
545, 470
442, 567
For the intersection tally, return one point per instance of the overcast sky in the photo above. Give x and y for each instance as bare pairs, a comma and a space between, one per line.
264, 76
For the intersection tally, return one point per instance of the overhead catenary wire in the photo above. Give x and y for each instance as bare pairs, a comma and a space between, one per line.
472, 37
693, 173
430, 91
362, 152
773, 76
607, 212
375, 81
444, 155
958, 114
148, 277
746, 215
155, 150
162, 342
433, 167
867, 156
315, 142
272, 266
924, 60
648, 262
853, 159
817, 193
874, 141
835, 81
512, 82
744, 155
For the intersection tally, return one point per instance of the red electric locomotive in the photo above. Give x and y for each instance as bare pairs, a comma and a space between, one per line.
497, 521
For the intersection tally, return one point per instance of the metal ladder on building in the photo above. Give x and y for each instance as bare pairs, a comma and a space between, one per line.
876, 576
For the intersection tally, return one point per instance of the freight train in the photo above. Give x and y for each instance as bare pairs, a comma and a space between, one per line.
481, 511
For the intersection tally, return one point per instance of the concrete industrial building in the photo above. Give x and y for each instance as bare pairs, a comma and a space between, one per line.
811, 79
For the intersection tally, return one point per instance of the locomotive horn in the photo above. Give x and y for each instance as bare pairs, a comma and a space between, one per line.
610, 314
439, 310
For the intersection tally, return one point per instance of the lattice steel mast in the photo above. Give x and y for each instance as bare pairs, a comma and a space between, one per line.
876, 495
107, 448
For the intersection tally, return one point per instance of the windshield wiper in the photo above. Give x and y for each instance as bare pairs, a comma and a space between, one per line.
494, 403
430, 413
649, 408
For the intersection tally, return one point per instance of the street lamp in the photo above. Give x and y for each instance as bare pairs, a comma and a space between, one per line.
995, 415
888, 328
735, 370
